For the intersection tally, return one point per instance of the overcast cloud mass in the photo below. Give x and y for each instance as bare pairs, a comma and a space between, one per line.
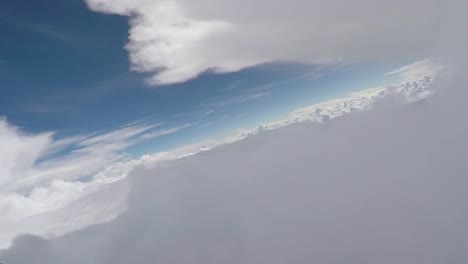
382, 186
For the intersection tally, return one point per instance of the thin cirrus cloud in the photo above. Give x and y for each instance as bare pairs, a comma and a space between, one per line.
179, 39
164, 132
242, 99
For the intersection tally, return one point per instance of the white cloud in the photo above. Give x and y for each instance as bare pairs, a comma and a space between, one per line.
42, 177
383, 186
19, 150
179, 39
419, 70
242, 99
163, 132
41, 197
417, 81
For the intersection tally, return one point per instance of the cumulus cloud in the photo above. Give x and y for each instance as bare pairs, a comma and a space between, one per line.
381, 186
45, 181
179, 39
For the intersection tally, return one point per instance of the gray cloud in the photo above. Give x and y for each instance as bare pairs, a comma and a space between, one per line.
39, 249
384, 186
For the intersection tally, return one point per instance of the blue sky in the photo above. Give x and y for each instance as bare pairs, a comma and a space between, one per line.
64, 68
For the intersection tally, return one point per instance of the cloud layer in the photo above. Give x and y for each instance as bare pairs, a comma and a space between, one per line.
381, 186
179, 39
42, 190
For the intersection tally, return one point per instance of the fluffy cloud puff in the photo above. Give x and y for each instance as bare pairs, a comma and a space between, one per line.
41, 178
179, 39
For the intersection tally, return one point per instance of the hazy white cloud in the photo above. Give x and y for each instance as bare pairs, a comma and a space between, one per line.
419, 70
19, 150
383, 186
41, 178
179, 39
76, 178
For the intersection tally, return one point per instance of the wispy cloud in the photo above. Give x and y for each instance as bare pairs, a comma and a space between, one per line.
163, 132
233, 85
243, 99
209, 112
418, 70
64, 158
205, 125
41, 29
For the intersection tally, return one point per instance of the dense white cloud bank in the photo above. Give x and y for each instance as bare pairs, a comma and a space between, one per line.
41, 197
382, 186
179, 39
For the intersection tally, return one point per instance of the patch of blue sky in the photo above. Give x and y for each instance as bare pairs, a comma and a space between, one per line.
248, 106
64, 69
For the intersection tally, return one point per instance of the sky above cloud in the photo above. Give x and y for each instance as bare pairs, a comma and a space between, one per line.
234, 132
